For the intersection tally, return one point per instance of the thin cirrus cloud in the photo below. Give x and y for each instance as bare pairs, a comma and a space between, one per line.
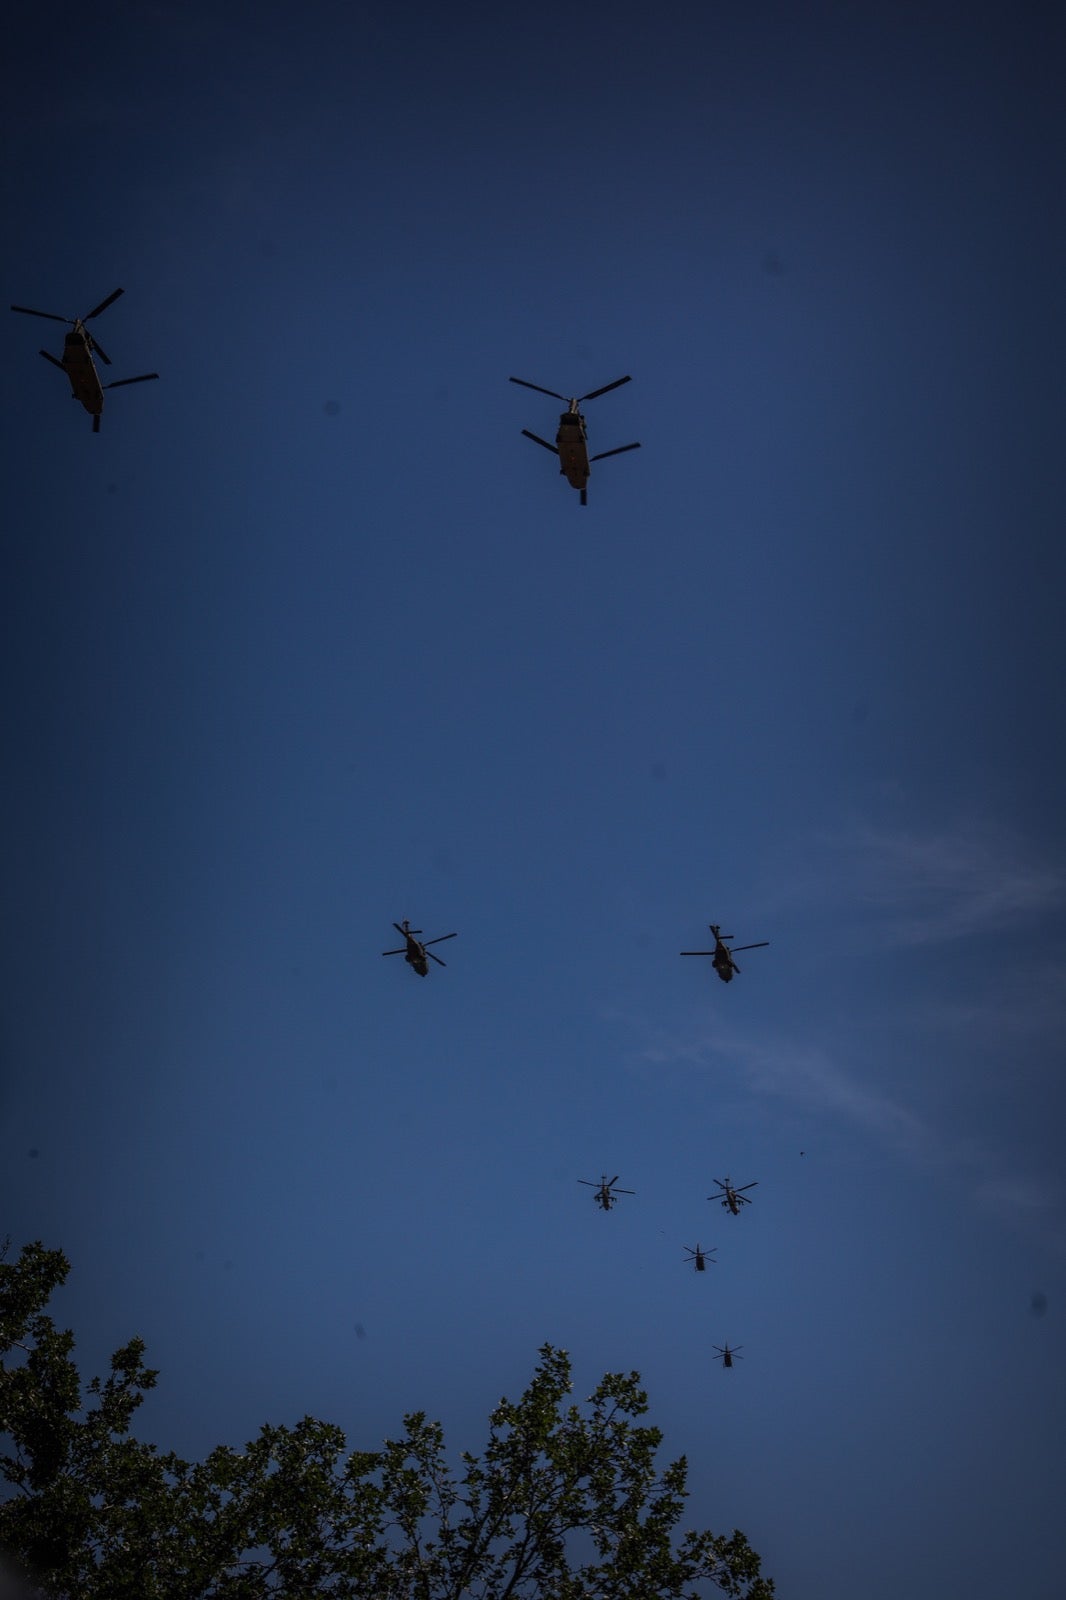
932, 886
809, 1077
805, 1075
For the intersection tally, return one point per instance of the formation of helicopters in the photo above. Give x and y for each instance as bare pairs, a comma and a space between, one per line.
418, 955
415, 952
732, 1198
78, 362
79, 348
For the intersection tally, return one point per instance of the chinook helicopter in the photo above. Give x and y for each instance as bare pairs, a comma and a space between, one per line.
571, 441
701, 1257
721, 956
732, 1199
726, 1356
416, 953
78, 351
606, 1195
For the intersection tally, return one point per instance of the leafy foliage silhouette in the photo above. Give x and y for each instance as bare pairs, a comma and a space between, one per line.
91, 1512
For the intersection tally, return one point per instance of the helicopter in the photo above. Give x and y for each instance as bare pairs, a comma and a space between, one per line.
701, 1257
721, 956
414, 951
79, 349
732, 1199
726, 1356
606, 1196
571, 442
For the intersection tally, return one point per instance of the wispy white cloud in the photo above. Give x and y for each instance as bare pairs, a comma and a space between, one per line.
811, 1078
950, 883
805, 1075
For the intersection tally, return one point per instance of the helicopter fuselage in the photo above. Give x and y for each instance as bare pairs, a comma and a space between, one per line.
80, 368
416, 957
572, 444
722, 962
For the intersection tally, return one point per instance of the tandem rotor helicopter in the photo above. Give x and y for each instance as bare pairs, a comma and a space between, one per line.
732, 1199
78, 351
721, 956
571, 441
606, 1194
416, 952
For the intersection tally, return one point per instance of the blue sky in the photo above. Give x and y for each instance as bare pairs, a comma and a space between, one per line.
310, 639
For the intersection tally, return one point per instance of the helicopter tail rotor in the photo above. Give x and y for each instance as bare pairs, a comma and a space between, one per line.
553, 392
621, 450
594, 394
144, 377
103, 305
51, 315
538, 440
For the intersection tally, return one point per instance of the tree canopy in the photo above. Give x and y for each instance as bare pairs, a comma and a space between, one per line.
91, 1511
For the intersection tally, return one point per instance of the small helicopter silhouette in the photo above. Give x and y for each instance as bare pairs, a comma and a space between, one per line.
416, 953
721, 956
701, 1257
606, 1195
726, 1356
571, 442
79, 349
732, 1199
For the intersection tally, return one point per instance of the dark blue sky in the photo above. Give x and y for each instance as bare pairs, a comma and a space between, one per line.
310, 639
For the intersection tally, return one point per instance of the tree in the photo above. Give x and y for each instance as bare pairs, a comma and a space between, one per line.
92, 1512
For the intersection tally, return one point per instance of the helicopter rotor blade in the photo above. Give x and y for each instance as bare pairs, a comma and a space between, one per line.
695, 952
760, 946
622, 448
594, 394
144, 378
624, 1191
744, 1186
98, 350
588, 1183
402, 952
103, 305
51, 315
553, 392
52, 359
432, 957
538, 440
405, 931
441, 939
